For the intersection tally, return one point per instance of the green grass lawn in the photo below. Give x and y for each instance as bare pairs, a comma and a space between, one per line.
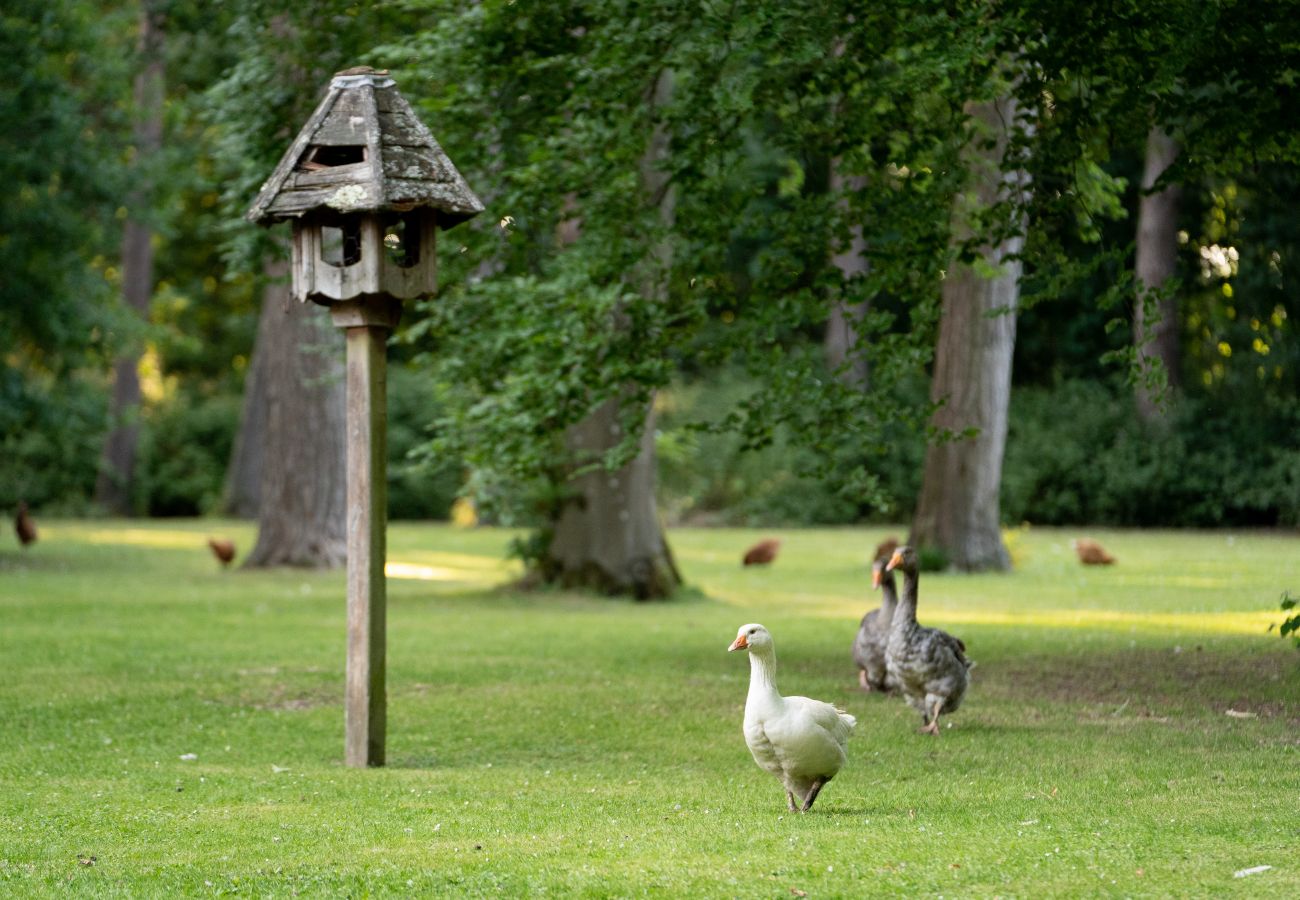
556, 744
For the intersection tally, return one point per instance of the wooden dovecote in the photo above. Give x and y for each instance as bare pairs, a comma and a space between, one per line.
366, 185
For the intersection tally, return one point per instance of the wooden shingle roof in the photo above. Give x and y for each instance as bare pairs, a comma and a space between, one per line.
364, 150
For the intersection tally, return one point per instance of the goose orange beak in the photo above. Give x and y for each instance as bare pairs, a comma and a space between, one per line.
875, 578
894, 561
739, 644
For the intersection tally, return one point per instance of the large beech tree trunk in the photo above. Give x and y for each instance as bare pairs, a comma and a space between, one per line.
844, 356
114, 486
607, 535
241, 494
302, 520
1157, 256
957, 512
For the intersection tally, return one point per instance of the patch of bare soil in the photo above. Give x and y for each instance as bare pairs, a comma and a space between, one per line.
287, 697
275, 688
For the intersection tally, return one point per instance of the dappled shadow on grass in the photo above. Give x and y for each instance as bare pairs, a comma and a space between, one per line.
846, 812
551, 599
965, 723
33, 561
1147, 682
419, 761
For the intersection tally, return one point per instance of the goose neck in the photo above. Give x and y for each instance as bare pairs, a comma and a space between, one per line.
762, 673
906, 608
888, 597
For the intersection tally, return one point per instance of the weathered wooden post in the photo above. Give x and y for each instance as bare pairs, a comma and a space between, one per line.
365, 185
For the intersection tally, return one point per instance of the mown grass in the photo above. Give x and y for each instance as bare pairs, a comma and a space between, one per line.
556, 744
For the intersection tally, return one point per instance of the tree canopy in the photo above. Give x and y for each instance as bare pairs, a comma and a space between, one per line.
793, 128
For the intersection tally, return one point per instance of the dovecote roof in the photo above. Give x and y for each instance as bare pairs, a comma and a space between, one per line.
364, 150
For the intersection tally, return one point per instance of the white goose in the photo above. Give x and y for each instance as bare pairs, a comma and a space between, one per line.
798, 740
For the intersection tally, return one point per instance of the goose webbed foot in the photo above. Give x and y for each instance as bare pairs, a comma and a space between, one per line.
932, 725
862, 680
812, 795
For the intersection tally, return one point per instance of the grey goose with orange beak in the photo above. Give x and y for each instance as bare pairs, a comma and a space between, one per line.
873, 633
928, 664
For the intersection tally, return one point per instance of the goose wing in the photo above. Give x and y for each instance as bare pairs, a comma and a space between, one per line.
810, 736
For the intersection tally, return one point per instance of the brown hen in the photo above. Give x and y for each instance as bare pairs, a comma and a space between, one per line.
761, 553
24, 525
1091, 553
223, 549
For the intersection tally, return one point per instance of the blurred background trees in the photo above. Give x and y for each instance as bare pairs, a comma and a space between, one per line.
117, 468
764, 287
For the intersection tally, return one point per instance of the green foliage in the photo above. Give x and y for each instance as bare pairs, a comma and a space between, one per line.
788, 126
1291, 624
419, 486
1080, 454
708, 475
185, 444
1214, 78
767, 103
544, 350
60, 63
1240, 332
551, 115
50, 436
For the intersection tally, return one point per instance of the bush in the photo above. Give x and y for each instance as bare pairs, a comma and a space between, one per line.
51, 433
1291, 624
184, 450
1078, 453
186, 443
417, 489
711, 478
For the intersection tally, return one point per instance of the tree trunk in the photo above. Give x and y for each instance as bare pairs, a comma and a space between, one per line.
115, 484
843, 355
242, 493
1155, 318
845, 358
607, 536
957, 512
302, 521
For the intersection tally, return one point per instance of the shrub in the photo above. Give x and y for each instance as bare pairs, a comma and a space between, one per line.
1290, 625
1078, 453
710, 477
184, 449
417, 488
51, 433
186, 443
